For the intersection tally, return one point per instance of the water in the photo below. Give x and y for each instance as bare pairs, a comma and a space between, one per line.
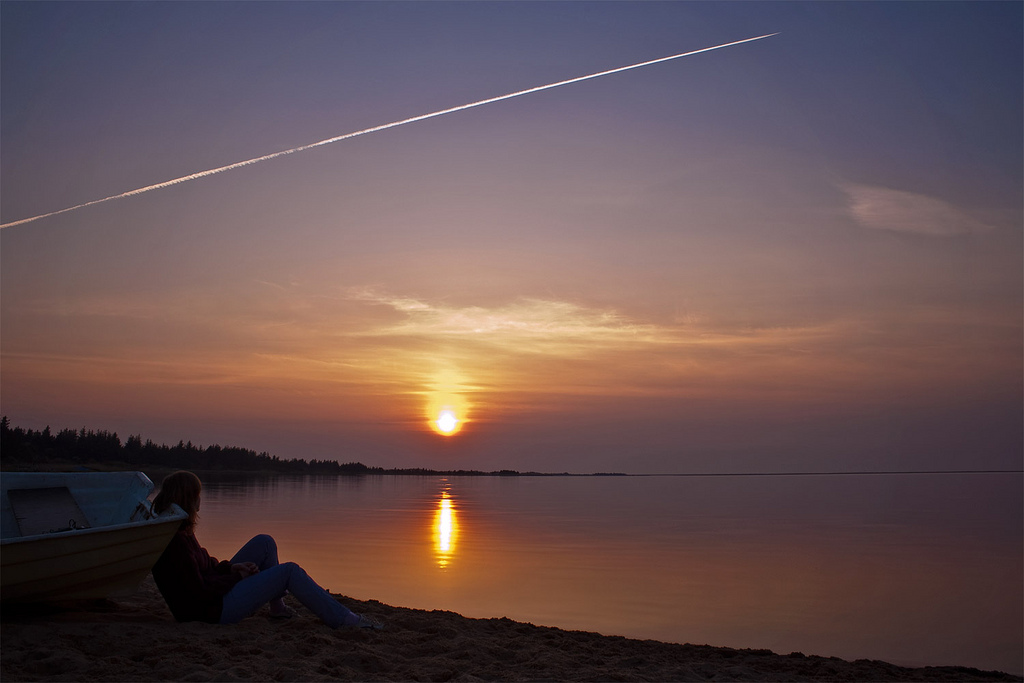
912, 569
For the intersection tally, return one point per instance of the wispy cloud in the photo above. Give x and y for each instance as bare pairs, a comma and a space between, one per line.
311, 353
881, 208
526, 325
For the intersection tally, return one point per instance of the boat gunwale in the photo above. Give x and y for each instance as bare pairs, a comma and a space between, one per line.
177, 514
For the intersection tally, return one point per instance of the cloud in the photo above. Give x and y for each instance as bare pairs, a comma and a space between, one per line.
883, 209
307, 354
526, 325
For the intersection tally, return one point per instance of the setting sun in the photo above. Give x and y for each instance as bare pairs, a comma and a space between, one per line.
447, 408
447, 422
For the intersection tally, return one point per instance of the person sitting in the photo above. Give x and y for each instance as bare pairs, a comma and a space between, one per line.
198, 587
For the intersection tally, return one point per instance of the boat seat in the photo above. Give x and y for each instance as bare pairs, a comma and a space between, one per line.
46, 511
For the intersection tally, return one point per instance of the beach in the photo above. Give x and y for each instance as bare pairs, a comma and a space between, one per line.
136, 639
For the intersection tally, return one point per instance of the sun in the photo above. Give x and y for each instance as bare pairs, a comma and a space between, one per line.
447, 408
447, 422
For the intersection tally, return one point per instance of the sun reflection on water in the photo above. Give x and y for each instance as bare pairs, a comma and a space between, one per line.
446, 530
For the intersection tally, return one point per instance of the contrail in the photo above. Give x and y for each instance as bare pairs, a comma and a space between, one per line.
393, 124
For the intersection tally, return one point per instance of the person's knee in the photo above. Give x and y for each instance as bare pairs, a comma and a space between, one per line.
265, 539
267, 545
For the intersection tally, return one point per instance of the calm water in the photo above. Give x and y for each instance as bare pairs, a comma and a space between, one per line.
913, 569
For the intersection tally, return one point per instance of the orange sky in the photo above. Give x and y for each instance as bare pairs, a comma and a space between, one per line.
792, 254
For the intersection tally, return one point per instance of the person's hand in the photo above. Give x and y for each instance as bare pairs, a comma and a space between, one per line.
246, 569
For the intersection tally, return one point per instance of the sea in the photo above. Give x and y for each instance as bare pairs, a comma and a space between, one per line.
913, 569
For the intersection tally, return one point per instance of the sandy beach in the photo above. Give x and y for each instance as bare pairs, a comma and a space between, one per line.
136, 639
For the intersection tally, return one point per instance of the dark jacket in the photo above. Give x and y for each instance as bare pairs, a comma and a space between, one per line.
193, 583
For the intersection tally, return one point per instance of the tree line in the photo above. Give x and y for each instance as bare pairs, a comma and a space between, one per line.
88, 447
25, 448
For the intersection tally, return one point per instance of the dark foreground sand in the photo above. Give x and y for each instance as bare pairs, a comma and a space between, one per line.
136, 639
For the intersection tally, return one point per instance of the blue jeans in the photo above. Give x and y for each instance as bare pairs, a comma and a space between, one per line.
271, 583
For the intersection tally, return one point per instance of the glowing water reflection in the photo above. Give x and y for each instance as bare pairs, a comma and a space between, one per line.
915, 569
446, 530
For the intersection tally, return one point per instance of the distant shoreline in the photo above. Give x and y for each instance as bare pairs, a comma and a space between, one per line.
163, 470
157, 472
84, 449
88, 450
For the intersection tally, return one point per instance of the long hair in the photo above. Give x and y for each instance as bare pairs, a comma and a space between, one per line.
182, 488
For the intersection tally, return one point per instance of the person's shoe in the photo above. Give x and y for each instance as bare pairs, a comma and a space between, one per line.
366, 622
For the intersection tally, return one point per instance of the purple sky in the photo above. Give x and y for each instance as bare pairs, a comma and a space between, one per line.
800, 253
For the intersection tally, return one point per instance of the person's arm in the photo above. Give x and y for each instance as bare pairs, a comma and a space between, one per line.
242, 569
198, 574
209, 563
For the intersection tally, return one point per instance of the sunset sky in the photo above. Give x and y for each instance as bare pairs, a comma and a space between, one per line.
799, 253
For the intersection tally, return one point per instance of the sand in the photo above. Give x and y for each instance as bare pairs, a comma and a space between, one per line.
136, 639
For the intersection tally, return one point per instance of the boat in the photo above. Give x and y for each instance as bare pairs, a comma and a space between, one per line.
78, 535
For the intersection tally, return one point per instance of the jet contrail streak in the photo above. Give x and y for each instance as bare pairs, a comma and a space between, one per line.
393, 124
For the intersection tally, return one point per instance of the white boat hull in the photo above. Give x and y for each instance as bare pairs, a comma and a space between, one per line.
107, 559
